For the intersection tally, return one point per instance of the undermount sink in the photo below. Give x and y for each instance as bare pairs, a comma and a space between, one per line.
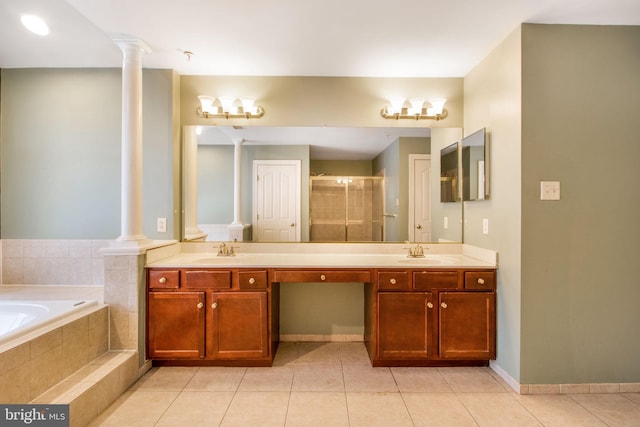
214, 260
429, 260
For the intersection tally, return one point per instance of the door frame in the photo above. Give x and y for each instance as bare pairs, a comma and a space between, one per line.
298, 192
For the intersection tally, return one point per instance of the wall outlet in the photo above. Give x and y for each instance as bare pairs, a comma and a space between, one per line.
485, 226
446, 222
549, 190
162, 225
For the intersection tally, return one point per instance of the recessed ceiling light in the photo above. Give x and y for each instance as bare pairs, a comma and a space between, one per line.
35, 24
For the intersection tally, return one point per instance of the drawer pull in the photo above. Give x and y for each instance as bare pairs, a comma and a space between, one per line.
392, 281
214, 305
162, 280
480, 281
443, 305
429, 305
200, 305
323, 277
252, 281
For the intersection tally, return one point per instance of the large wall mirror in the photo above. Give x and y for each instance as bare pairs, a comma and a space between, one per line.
364, 169
475, 166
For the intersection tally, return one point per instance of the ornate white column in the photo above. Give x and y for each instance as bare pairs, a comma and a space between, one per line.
131, 174
190, 173
236, 229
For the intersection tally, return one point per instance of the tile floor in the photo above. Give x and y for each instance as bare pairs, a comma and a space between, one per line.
333, 384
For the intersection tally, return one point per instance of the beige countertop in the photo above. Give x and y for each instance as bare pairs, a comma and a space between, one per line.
333, 258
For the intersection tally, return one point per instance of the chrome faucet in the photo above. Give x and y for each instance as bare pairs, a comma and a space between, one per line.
224, 250
417, 252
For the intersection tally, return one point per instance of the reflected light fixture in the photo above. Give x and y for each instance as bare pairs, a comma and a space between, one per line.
416, 109
227, 107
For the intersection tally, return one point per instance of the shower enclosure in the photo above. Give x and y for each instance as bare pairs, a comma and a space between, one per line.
346, 209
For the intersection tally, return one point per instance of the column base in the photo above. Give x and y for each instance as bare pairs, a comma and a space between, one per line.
240, 232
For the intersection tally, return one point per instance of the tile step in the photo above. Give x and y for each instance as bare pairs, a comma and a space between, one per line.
93, 388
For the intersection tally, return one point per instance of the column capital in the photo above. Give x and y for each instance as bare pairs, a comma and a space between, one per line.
129, 43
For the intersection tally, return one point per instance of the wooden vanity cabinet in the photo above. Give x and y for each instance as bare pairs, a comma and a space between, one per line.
210, 317
237, 327
176, 325
432, 317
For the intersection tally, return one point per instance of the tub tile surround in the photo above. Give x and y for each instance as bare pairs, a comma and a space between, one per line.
34, 363
53, 262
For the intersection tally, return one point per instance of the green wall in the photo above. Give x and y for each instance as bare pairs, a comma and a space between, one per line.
580, 293
215, 184
60, 153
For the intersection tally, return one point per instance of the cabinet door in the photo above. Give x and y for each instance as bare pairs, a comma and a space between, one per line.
404, 325
468, 325
176, 325
238, 325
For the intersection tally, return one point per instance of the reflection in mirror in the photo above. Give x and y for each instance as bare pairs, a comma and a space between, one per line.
475, 166
209, 175
449, 174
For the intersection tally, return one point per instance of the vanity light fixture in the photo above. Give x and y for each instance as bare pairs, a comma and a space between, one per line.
416, 109
227, 108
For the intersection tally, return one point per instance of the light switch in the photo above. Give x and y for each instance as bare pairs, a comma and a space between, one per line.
549, 190
485, 226
446, 222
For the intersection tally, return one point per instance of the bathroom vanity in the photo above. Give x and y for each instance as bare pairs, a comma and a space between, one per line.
439, 310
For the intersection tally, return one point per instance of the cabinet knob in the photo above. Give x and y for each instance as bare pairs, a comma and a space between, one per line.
200, 305
480, 281
392, 281
323, 277
443, 305
429, 305
162, 280
252, 281
214, 305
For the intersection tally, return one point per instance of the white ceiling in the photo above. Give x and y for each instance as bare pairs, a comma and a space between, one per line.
359, 38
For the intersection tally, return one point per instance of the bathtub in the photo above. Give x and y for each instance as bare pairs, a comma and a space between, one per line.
18, 318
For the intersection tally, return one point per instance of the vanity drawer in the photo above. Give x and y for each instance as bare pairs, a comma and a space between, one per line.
485, 280
206, 279
435, 280
164, 279
389, 280
252, 279
363, 276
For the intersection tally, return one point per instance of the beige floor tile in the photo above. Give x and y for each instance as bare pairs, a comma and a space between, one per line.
136, 409
318, 353
216, 378
354, 353
368, 379
634, 397
165, 378
286, 354
436, 409
559, 411
277, 378
310, 409
471, 380
613, 409
196, 408
318, 378
420, 380
256, 408
497, 410
377, 409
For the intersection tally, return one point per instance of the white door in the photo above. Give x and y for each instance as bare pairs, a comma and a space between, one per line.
276, 200
419, 197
